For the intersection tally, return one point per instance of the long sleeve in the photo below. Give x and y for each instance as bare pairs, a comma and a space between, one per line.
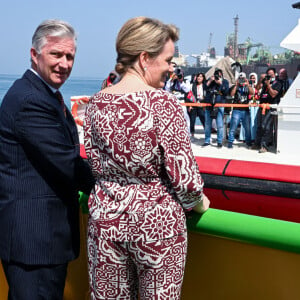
179, 160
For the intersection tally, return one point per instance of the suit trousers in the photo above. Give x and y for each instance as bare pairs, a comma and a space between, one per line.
122, 270
35, 282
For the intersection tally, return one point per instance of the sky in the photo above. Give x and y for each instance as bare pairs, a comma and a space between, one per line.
97, 23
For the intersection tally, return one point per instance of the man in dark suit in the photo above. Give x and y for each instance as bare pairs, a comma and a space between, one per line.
41, 171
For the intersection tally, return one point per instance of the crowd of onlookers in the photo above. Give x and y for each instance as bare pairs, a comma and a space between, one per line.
246, 121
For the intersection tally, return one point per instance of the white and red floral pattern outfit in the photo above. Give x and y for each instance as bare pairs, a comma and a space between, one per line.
140, 153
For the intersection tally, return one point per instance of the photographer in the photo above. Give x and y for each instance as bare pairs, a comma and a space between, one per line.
270, 93
177, 86
217, 90
240, 91
199, 92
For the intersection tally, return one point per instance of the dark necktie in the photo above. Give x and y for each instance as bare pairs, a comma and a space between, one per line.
61, 100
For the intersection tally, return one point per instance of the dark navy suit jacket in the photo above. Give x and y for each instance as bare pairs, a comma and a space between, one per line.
41, 172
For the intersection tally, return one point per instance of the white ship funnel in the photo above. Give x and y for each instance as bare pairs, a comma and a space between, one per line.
292, 40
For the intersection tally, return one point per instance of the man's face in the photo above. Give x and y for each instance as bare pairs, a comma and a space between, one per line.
54, 63
282, 74
271, 73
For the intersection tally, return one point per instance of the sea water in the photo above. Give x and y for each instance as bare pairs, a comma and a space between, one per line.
74, 86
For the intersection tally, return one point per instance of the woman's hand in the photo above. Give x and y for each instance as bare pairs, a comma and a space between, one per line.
202, 206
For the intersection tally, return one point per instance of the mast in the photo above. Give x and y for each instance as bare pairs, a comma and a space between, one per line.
209, 43
235, 45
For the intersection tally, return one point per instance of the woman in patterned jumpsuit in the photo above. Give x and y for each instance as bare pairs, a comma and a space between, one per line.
139, 150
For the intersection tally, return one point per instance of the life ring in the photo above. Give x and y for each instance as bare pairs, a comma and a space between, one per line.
77, 102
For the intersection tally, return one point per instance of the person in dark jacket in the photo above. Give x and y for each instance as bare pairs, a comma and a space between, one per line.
199, 92
271, 88
41, 171
217, 90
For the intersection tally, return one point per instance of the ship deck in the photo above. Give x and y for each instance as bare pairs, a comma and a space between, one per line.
240, 151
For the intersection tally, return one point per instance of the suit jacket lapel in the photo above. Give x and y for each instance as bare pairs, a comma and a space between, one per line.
68, 121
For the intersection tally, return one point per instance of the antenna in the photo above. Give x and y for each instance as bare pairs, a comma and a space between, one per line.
235, 46
209, 42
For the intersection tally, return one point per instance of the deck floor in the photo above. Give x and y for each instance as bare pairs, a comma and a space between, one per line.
240, 151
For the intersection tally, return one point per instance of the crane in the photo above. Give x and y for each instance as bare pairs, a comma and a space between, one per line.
249, 46
209, 42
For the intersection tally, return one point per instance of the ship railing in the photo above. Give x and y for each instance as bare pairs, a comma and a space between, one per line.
263, 105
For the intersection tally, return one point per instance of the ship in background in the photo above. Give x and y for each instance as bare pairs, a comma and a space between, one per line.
253, 56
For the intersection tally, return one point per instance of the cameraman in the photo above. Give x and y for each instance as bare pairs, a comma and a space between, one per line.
177, 85
270, 93
240, 91
217, 90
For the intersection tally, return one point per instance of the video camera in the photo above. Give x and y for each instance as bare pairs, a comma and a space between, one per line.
216, 75
242, 81
179, 73
267, 77
213, 110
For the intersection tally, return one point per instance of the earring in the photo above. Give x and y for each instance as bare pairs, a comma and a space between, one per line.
145, 69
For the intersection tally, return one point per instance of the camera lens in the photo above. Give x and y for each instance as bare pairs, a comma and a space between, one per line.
241, 80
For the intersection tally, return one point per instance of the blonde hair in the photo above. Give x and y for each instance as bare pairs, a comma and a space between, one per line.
142, 34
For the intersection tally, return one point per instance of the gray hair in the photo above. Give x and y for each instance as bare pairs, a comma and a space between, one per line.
53, 28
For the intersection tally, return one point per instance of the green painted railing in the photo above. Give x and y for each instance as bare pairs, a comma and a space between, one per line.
261, 231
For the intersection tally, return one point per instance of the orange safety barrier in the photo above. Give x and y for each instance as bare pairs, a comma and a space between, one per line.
196, 104
77, 102
264, 106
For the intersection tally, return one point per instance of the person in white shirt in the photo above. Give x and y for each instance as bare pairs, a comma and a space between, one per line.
180, 88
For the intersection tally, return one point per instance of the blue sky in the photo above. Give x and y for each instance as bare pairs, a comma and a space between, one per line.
98, 22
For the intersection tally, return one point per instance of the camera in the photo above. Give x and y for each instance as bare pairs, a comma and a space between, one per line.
268, 77
179, 73
214, 112
242, 81
216, 75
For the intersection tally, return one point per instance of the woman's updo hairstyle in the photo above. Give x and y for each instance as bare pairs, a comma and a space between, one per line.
142, 34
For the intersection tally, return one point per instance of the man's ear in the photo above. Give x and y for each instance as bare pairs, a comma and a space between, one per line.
33, 54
